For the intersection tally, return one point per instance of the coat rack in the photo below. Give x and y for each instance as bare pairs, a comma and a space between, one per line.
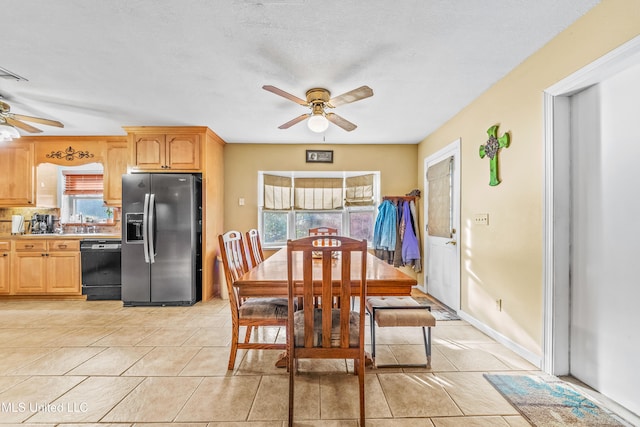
395, 199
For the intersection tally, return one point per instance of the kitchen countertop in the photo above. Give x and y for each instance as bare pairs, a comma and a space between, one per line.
78, 236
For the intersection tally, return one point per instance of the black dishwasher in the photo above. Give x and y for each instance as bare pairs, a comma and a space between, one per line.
100, 260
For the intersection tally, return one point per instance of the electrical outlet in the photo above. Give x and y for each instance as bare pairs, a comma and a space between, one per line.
482, 219
499, 304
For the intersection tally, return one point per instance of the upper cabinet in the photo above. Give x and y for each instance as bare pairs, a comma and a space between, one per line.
50, 153
16, 179
165, 149
115, 165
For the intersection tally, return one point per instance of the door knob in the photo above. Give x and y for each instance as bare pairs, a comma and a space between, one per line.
452, 242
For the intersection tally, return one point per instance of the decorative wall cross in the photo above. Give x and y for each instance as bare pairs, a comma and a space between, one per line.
490, 149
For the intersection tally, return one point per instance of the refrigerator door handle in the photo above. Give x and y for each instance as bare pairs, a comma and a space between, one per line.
145, 228
151, 232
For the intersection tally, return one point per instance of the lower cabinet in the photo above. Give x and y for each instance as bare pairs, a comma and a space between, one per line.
5, 267
48, 267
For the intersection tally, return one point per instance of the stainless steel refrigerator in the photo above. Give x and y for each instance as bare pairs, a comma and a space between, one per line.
161, 239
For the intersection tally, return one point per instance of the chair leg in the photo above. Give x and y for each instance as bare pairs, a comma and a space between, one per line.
361, 389
360, 363
292, 370
235, 336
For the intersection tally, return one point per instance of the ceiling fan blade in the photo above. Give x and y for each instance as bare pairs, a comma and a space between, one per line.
21, 125
37, 120
293, 122
339, 121
351, 96
284, 94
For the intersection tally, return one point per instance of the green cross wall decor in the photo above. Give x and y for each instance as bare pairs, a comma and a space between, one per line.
490, 149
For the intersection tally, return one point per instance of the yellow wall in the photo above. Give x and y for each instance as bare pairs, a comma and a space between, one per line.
396, 163
504, 260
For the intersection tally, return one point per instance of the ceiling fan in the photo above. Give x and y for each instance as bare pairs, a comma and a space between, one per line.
318, 100
7, 118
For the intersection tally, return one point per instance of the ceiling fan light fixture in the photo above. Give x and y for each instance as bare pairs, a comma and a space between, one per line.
318, 123
8, 132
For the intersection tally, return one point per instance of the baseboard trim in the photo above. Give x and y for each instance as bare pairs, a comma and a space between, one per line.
530, 357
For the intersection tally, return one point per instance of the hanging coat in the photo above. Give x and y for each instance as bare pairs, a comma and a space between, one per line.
417, 265
410, 246
384, 232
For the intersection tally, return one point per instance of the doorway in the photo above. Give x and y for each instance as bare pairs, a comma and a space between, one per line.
442, 252
591, 150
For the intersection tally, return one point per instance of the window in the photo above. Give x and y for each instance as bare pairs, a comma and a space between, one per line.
82, 197
290, 203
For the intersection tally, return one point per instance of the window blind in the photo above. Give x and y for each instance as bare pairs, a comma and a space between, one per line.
75, 184
359, 190
439, 208
277, 192
318, 193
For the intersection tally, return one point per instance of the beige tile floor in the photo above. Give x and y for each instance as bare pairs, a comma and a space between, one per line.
96, 362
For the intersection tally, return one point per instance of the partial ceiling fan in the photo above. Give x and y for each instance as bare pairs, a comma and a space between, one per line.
318, 100
8, 118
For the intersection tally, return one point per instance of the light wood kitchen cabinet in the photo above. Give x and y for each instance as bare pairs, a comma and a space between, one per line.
29, 271
115, 165
63, 269
5, 267
46, 267
16, 179
46, 186
163, 152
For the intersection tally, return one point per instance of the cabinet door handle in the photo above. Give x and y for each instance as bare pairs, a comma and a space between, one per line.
28, 246
62, 246
5, 254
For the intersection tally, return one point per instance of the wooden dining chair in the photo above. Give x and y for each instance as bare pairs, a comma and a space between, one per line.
323, 231
247, 312
326, 332
254, 247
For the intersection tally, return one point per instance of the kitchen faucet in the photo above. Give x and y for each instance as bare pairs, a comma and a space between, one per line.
81, 228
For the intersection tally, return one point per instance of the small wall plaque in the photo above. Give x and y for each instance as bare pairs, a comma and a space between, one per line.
319, 156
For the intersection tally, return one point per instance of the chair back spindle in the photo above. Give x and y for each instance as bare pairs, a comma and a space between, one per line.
254, 247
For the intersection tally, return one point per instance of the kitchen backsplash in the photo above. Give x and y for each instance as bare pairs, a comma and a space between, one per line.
27, 213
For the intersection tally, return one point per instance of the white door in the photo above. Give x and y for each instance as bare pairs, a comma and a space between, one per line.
442, 254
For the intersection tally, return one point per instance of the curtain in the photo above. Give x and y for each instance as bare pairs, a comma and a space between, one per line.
359, 190
277, 192
317, 193
439, 208
75, 184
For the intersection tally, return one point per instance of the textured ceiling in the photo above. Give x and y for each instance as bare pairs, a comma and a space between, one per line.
99, 65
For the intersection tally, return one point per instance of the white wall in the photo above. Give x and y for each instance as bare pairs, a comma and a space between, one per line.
605, 288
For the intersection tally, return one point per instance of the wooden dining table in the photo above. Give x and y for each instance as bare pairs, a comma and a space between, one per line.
269, 278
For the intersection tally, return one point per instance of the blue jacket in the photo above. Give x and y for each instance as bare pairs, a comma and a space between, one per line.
384, 232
